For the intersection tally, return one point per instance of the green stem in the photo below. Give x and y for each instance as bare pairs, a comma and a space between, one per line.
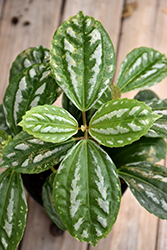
53, 169
84, 118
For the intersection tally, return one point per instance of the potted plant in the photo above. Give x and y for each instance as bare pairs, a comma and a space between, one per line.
86, 147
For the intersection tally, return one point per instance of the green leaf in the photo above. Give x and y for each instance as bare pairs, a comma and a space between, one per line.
3, 125
26, 154
143, 67
106, 96
33, 86
87, 192
146, 96
13, 209
47, 198
4, 141
71, 108
49, 123
120, 122
145, 149
28, 57
148, 183
82, 60
159, 127
116, 92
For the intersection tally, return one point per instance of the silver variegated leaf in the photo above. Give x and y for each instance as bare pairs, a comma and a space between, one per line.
26, 154
120, 122
145, 149
49, 123
146, 96
13, 209
106, 96
47, 199
33, 86
159, 128
148, 183
88, 197
3, 124
27, 58
143, 67
82, 60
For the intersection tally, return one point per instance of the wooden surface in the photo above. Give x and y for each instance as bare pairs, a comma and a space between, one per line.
37, 20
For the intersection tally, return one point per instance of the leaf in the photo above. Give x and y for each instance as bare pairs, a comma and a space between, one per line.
13, 209
27, 58
71, 108
145, 149
106, 96
159, 127
148, 183
82, 60
34, 86
142, 68
87, 192
4, 140
121, 122
47, 198
146, 96
49, 123
3, 125
26, 154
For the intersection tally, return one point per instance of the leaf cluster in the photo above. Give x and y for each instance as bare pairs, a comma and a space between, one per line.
89, 143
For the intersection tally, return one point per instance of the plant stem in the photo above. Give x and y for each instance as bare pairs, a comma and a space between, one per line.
53, 169
78, 138
84, 118
84, 123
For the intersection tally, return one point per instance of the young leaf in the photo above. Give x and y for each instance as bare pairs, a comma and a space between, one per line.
3, 125
13, 209
143, 67
146, 96
33, 86
26, 154
49, 123
160, 126
4, 141
148, 183
121, 122
145, 149
82, 60
88, 197
28, 57
47, 198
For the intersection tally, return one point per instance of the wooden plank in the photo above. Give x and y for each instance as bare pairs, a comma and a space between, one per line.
24, 24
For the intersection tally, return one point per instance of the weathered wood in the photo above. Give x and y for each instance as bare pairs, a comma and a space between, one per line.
24, 24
